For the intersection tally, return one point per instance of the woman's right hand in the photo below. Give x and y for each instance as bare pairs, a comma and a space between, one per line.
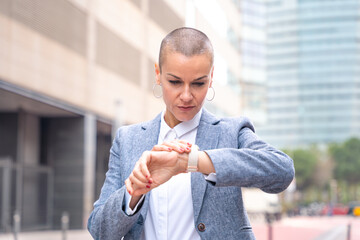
139, 182
153, 169
176, 145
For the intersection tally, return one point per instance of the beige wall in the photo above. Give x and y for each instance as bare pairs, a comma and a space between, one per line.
34, 61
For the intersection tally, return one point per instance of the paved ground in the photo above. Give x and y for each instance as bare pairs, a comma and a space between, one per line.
298, 228
311, 228
50, 235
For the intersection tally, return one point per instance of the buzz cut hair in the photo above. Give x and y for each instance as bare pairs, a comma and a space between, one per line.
187, 41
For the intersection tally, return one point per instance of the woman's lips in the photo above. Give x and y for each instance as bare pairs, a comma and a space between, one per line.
185, 108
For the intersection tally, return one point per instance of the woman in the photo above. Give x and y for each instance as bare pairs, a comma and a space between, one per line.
189, 185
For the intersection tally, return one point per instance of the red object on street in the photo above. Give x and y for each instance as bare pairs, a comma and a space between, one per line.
338, 209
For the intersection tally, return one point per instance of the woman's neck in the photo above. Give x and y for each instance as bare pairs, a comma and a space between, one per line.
170, 119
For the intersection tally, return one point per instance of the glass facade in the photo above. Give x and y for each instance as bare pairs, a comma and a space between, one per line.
253, 60
313, 80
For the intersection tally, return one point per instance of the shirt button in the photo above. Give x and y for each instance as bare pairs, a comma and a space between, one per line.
201, 227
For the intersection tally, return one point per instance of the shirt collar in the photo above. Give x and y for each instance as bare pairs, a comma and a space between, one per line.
180, 129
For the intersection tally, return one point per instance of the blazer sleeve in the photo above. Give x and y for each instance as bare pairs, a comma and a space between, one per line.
253, 164
108, 219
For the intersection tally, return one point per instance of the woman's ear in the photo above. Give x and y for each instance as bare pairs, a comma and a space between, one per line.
211, 77
157, 73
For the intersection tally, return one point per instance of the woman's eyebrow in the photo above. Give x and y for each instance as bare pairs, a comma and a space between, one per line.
201, 78
174, 76
196, 79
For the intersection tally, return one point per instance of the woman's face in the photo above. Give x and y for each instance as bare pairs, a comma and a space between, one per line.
185, 82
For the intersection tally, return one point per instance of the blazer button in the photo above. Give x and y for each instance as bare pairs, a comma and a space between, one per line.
201, 227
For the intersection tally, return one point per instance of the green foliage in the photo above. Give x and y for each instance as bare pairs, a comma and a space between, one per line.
347, 159
305, 162
315, 168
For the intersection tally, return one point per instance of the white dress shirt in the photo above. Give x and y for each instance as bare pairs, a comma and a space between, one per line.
170, 213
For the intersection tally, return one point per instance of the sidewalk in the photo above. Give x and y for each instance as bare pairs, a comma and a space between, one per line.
49, 235
310, 228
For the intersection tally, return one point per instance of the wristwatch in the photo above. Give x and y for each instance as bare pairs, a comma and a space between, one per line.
193, 159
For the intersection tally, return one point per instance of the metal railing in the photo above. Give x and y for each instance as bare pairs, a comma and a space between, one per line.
26, 192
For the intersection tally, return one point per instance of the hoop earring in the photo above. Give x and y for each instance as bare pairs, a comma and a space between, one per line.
213, 96
154, 90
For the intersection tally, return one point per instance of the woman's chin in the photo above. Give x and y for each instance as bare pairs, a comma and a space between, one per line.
185, 117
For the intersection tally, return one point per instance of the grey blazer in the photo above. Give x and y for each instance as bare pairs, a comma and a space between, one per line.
240, 158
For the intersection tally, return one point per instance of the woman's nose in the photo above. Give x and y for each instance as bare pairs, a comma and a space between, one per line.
186, 95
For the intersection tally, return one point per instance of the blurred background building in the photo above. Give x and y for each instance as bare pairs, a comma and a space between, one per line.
313, 80
253, 60
71, 72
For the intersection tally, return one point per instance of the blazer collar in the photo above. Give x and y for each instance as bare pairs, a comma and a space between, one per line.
151, 131
207, 138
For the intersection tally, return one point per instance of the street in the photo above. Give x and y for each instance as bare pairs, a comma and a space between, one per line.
310, 228
296, 228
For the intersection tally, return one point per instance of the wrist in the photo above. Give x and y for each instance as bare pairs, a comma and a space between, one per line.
134, 201
205, 165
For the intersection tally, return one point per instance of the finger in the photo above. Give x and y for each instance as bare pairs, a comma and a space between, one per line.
161, 148
136, 192
177, 147
145, 172
129, 187
183, 144
187, 149
186, 143
169, 144
136, 183
138, 173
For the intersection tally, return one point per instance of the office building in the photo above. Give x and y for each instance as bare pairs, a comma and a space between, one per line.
312, 75
71, 72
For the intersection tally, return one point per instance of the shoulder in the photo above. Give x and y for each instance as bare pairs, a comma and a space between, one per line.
237, 121
133, 129
231, 123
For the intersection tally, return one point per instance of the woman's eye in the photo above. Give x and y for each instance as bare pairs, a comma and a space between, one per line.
174, 82
198, 84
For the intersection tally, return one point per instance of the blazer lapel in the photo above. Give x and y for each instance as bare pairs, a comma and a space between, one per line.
150, 133
207, 138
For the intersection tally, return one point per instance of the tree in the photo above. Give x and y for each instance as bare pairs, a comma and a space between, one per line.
347, 162
305, 162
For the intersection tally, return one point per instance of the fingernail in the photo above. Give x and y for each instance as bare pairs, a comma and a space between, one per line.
129, 192
170, 149
150, 181
146, 176
187, 148
189, 144
181, 149
148, 186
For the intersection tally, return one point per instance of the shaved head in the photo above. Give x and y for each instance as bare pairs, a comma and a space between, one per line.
187, 41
